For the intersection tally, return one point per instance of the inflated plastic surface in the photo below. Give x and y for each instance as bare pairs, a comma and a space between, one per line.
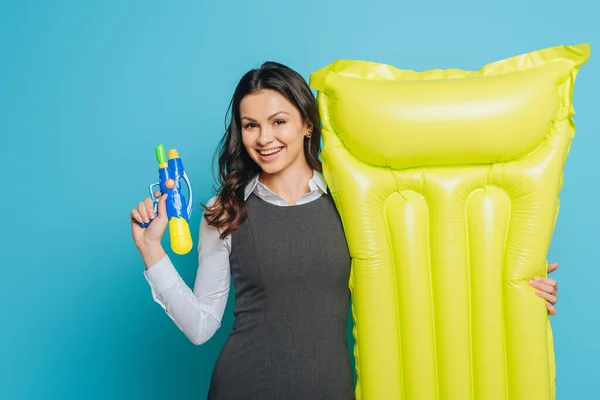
447, 182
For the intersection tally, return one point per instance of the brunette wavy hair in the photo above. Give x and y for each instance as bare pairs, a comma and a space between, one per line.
236, 168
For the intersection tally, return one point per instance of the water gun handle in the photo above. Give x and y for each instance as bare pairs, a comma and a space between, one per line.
154, 202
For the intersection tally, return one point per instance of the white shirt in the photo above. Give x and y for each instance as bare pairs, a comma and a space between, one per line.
198, 313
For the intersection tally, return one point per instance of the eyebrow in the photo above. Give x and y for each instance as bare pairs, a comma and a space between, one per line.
271, 116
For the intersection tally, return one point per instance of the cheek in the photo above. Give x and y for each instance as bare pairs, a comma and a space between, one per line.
247, 140
294, 137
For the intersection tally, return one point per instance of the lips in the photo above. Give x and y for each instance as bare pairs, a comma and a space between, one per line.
270, 151
266, 155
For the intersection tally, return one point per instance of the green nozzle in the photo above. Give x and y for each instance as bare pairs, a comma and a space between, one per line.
161, 156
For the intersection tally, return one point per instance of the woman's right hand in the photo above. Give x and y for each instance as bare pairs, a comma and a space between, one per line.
150, 236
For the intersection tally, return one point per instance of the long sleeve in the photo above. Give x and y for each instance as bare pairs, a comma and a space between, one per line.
196, 313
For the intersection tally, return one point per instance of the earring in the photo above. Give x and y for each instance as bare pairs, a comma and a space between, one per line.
308, 135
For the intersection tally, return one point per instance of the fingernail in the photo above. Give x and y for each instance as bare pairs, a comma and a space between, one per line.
531, 283
537, 278
538, 292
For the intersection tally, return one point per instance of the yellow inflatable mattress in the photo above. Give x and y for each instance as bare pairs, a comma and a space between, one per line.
447, 183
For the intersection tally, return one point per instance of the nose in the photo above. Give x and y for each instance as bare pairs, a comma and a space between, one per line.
264, 137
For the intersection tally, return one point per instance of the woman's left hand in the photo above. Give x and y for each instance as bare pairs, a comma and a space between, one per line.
547, 288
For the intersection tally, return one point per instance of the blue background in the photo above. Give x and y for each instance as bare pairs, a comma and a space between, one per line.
88, 89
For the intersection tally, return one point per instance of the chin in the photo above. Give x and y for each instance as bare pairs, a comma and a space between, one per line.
271, 168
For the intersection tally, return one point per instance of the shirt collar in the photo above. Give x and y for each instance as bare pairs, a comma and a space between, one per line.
317, 182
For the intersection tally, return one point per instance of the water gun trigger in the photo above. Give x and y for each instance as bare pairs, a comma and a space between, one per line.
154, 203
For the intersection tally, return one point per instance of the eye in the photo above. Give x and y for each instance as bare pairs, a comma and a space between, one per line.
279, 122
250, 125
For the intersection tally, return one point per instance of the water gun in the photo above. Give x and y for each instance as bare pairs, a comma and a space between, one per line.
179, 210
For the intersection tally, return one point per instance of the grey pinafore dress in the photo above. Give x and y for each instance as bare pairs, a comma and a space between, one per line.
290, 267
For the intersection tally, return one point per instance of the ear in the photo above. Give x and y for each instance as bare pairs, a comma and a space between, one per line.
308, 126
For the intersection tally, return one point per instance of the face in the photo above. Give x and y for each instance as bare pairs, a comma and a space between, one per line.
273, 131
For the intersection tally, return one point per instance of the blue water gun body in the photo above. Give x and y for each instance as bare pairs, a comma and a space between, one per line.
179, 211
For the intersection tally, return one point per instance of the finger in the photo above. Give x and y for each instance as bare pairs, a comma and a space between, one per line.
547, 281
542, 286
552, 267
135, 215
551, 298
162, 206
143, 212
551, 309
157, 194
149, 208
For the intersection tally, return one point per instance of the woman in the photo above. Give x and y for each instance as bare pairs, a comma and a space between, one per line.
274, 228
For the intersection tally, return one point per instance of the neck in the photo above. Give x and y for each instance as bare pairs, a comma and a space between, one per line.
290, 184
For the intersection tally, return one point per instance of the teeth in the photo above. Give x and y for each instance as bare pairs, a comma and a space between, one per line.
269, 152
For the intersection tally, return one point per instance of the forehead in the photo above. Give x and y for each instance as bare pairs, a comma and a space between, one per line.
265, 103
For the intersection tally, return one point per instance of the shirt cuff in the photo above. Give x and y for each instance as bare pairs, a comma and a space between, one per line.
162, 275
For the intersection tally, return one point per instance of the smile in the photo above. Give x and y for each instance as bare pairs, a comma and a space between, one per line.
270, 151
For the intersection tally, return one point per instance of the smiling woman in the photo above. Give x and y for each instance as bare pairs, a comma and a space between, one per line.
274, 227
